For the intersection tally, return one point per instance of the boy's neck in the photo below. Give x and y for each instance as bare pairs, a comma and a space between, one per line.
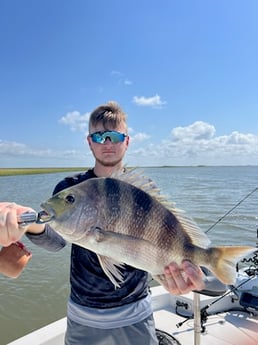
105, 171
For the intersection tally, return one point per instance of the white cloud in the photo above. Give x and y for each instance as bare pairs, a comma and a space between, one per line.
195, 144
120, 77
116, 74
242, 139
139, 137
128, 82
13, 154
15, 149
11, 147
154, 101
197, 130
76, 121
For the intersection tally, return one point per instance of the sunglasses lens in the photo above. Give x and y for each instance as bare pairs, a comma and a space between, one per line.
115, 137
97, 138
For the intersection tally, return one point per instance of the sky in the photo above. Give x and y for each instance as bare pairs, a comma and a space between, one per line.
184, 71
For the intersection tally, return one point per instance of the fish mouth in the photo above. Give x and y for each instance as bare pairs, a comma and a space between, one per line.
46, 215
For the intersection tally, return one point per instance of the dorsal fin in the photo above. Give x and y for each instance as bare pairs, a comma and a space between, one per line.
137, 178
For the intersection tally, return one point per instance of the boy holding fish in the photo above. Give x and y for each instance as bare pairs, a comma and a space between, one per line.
99, 313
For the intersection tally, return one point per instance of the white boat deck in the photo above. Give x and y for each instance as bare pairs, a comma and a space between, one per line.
231, 327
226, 328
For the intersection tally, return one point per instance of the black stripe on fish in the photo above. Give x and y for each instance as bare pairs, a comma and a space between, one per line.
95, 189
142, 207
112, 194
169, 230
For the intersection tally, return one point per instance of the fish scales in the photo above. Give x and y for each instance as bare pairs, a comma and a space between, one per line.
143, 216
137, 209
112, 196
125, 220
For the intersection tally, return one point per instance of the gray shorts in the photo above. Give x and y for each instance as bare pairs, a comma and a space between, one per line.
141, 333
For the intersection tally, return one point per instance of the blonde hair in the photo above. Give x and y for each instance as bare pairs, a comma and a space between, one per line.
109, 115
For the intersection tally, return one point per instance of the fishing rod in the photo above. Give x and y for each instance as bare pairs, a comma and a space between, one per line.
203, 311
226, 214
254, 259
200, 314
234, 207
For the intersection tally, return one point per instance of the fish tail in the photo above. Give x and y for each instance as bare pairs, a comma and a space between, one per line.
224, 259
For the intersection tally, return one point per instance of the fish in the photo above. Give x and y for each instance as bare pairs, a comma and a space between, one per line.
126, 220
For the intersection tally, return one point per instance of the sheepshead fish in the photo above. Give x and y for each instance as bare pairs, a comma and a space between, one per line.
125, 220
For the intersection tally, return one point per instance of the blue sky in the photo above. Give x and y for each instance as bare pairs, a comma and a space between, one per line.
184, 71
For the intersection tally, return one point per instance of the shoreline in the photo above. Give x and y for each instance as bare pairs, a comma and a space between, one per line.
51, 170
32, 171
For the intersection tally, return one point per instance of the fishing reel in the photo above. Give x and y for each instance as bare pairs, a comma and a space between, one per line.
252, 270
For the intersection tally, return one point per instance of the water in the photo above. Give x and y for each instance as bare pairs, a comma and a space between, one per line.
39, 295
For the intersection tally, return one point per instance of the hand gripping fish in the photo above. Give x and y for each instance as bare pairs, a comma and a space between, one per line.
125, 220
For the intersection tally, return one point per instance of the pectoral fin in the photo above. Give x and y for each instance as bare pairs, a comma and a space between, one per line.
112, 269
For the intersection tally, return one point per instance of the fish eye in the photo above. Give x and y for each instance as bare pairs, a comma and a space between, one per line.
70, 199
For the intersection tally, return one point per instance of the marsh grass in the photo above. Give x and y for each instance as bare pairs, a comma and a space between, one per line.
32, 171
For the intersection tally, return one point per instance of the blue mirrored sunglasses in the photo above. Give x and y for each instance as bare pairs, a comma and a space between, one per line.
114, 136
